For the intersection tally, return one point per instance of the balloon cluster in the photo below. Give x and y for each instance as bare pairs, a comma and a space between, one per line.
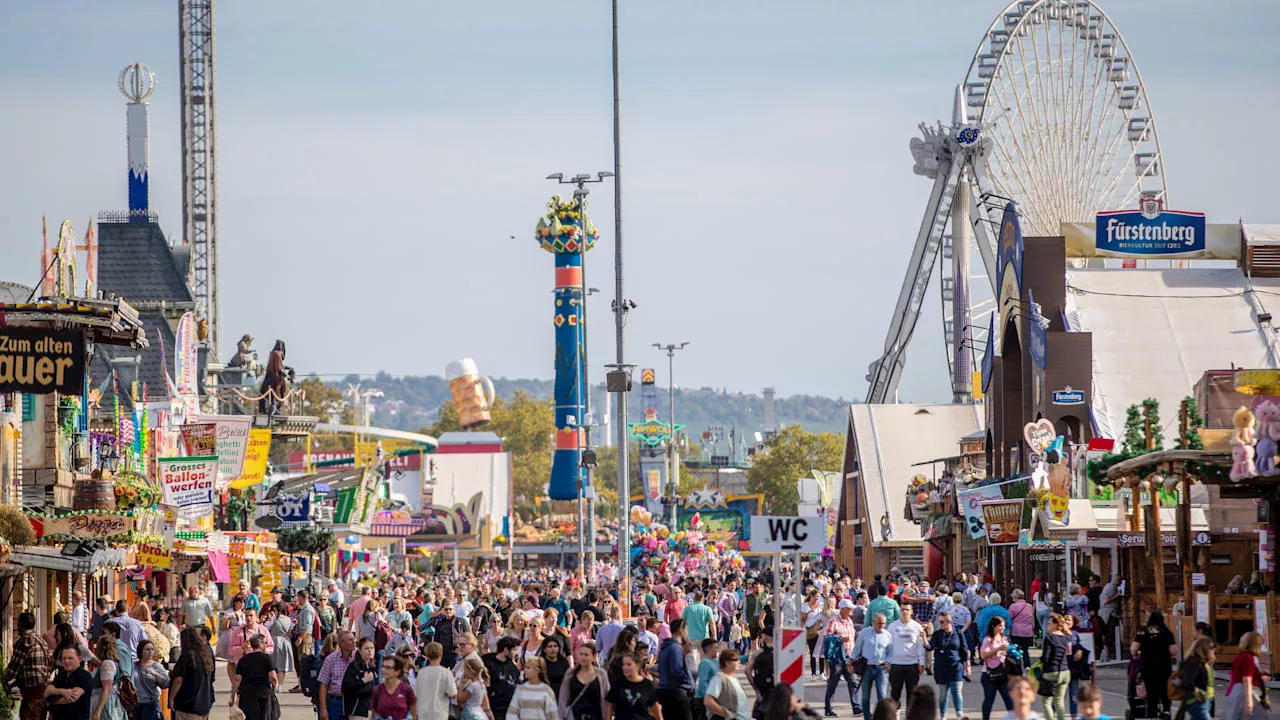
656, 549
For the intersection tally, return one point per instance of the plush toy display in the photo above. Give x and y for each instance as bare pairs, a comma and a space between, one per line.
1242, 451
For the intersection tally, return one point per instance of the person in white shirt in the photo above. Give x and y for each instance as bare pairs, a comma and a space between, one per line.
906, 654
336, 598
79, 612
463, 607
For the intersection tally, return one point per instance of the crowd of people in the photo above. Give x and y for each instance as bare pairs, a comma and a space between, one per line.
548, 645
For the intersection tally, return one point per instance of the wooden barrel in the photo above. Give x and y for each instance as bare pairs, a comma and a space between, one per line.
94, 495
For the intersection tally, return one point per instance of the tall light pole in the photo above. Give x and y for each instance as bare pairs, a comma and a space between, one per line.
673, 452
586, 487
619, 377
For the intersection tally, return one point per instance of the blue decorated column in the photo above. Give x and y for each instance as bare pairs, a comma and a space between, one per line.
561, 233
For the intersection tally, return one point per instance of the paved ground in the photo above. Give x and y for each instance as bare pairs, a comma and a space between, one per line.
1110, 679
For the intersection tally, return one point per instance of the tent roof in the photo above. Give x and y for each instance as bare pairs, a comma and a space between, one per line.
1155, 332
890, 440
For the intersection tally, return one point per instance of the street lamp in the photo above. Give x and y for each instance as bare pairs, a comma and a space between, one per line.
586, 527
673, 453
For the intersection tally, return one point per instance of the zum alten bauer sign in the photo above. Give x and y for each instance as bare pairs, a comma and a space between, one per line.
38, 362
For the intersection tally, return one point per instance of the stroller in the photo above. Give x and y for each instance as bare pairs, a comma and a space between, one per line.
1135, 690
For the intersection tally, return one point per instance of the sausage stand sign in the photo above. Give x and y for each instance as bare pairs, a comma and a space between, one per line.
39, 362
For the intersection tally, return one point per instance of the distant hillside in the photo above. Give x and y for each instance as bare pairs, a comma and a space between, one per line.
411, 402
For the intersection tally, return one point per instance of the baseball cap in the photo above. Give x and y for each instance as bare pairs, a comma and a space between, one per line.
846, 603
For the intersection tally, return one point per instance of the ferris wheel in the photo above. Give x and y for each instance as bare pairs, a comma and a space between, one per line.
1053, 115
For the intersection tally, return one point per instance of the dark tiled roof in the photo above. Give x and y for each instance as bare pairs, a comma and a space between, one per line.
136, 263
150, 368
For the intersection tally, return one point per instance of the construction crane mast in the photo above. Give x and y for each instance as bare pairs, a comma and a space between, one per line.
200, 157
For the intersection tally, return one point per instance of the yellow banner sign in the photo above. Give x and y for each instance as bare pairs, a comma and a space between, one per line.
255, 459
153, 557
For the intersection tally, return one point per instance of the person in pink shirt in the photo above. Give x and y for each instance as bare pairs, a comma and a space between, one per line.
1022, 625
676, 606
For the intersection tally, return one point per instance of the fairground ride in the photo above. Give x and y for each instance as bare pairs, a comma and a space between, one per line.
1052, 115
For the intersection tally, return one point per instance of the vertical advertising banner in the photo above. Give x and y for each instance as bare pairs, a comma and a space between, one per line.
232, 442
254, 469
188, 484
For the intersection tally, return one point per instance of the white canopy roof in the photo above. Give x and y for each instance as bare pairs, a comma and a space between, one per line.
892, 438
1155, 332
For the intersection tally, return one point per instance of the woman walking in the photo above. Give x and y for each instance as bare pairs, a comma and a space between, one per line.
583, 691
633, 697
1195, 678
191, 682
995, 679
149, 678
359, 680
533, 699
254, 680
281, 627
1055, 657
1246, 678
557, 663
394, 699
105, 701
436, 688
1022, 625
1043, 600
230, 619
1159, 651
473, 695
950, 664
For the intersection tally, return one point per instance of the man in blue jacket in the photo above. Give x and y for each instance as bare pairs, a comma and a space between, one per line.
675, 687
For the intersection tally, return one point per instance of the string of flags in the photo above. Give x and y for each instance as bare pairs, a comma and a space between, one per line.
355, 555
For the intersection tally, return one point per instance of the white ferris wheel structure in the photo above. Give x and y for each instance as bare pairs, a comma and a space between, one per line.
1052, 115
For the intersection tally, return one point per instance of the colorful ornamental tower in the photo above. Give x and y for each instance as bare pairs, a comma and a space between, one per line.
561, 233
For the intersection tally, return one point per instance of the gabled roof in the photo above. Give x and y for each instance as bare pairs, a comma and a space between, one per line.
136, 263
889, 440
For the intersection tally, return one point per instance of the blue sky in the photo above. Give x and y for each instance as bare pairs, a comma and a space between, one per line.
375, 162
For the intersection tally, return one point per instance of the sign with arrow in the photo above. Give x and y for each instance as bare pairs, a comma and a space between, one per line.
781, 534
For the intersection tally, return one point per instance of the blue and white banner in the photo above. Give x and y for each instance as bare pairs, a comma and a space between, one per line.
1132, 232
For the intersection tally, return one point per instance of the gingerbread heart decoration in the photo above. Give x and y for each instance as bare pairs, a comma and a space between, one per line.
1039, 435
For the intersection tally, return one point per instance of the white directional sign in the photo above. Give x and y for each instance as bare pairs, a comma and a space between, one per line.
780, 534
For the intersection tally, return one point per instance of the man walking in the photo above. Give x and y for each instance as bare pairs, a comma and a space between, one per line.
699, 623
727, 608
906, 654
1109, 611
331, 674
873, 646
844, 628
29, 668
504, 675
674, 684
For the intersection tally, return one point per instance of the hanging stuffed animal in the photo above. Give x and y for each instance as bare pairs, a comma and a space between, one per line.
1242, 451
1268, 434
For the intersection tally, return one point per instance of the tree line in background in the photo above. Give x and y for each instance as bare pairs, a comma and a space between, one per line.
411, 402
526, 424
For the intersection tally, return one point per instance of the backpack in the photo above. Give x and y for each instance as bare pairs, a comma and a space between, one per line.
833, 650
309, 675
382, 635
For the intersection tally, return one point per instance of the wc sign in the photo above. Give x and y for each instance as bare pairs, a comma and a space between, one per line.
776, 534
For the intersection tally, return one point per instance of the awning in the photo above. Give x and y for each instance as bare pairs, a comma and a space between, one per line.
51, 558
1107, 521
1082, 519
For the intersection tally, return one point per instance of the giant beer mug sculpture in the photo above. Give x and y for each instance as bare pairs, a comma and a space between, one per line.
472, 393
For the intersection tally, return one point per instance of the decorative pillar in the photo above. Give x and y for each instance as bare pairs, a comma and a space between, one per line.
561, 232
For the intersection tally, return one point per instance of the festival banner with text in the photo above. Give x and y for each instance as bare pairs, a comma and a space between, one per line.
255, 459
232, 441
188, 483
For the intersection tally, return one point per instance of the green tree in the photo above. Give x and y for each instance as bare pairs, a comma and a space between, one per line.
526, 425
324, 401
789, 456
